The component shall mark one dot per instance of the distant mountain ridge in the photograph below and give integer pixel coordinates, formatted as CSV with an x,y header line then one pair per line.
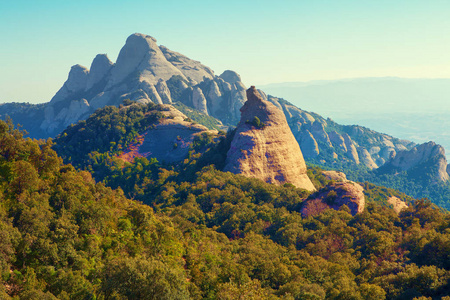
x,y
410,108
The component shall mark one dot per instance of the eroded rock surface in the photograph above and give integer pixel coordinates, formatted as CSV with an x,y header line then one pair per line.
x,y
334,196
264,146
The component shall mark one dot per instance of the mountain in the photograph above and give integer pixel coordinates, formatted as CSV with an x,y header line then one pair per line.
x,y
263,145
144,72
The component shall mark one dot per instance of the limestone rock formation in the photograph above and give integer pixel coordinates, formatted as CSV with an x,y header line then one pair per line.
x,y
264,147
140,74
334,196
169,141
352,153
397,204
163,91
424,160
309,145
99,71
335,176
75,84
348,145
199,100
338,141
318,131
142,57
190,68
365,158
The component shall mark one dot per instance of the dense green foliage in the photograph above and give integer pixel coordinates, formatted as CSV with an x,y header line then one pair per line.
x,y
108,130
437,192
204,234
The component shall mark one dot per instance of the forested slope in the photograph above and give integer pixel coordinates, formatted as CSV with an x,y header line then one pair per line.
x,y
203,234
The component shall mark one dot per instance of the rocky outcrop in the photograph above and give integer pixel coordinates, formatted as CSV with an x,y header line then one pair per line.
x,y
75,84
308,144
99,71
352,153
335,196
169,141
199,100
338,141
397,204
335,176
141,58
190,68
365,158
163,91
318,131
140,74
264,147
425,162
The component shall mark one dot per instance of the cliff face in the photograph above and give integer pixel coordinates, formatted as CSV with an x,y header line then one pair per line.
x,y
424,162
263,146
325,142
144,72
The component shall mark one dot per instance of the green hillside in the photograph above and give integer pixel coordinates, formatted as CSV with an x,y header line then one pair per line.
x,y
199,233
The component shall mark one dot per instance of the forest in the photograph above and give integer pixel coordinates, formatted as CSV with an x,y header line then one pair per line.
x,y
86,225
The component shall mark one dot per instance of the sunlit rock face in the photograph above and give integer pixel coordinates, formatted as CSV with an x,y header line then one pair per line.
x,y
264,147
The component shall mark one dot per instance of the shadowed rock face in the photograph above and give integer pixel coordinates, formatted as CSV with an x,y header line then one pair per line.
x,y
269,151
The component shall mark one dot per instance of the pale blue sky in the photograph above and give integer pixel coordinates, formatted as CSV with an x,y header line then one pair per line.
x,y
264,41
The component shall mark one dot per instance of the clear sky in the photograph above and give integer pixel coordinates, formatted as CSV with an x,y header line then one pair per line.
x,y
264,41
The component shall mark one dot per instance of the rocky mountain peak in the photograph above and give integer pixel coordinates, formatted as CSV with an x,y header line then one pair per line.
x,y
141,56
100,67
264,110
264,147
230,76
75,83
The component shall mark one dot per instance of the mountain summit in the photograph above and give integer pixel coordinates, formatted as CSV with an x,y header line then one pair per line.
x,y
264,146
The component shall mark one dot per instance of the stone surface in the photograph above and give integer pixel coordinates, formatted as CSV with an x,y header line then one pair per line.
x,y
199,100
334,196
338,141
318,132
335,175
169,141
365,158
352,153
397,204
230,76
428,156
75,83
163,91
269,153
190,68
308,145
99,71
142,59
